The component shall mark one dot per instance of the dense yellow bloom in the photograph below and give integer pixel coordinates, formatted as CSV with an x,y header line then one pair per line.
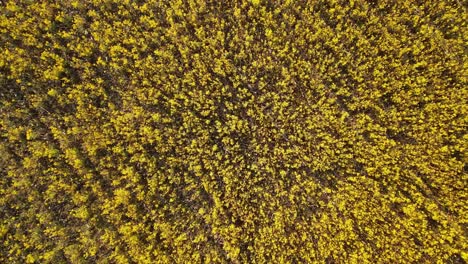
x,y
196,131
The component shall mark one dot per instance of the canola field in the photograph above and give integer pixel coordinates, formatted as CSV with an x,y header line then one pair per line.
x,y
208,131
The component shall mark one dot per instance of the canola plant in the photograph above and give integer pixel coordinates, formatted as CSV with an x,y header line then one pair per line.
x,y
206,131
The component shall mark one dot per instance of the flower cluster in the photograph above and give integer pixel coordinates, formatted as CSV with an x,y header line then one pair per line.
x,y
203,131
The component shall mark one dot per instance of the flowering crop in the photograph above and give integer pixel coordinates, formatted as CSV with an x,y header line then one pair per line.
x,y
202,131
